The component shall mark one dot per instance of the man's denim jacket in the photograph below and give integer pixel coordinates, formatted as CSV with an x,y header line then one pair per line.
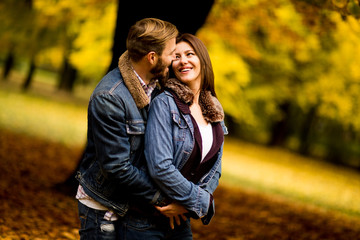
x,y
113,168
169,141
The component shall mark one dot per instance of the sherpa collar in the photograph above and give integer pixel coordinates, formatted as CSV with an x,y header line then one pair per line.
x,y
131,81
210,105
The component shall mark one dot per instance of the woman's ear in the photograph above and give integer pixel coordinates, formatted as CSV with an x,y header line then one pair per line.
x,y
152,57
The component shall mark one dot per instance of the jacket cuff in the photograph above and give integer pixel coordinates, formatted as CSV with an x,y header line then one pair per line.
x,y
211,212
160,200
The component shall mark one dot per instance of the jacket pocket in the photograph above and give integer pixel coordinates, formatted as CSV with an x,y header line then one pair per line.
x,y
180,127
135,127
135,130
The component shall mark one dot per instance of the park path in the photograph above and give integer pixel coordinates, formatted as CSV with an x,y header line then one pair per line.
x,y
31,208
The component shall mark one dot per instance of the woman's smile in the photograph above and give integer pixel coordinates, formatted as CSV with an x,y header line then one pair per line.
x,y
186,65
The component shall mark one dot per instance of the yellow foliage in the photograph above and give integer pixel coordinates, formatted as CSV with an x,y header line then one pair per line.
x,y
47,7
92,47
346,57
305,49
231,76
237,22
228,64
339,100
333,86
335,106
87,26
340,3
52,57
287,16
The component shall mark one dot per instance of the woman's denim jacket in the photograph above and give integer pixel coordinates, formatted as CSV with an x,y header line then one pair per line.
x,y
113,168
169,141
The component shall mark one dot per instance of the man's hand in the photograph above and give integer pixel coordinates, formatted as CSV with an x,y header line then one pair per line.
x,y
173,211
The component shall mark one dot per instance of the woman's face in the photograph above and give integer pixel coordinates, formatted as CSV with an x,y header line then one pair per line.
x,y
186,65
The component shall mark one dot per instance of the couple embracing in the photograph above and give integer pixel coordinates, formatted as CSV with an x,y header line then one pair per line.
x,y
155,140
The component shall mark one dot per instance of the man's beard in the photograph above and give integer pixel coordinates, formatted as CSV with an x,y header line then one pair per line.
x,y
160,72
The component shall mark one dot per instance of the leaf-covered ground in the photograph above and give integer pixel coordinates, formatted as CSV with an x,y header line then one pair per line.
x,y
32,208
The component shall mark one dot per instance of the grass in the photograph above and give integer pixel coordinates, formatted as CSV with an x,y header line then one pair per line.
x,y
44,112
286,174
55,121
62,118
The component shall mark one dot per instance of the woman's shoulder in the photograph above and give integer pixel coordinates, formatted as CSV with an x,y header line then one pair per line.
x,y
164,95
162,100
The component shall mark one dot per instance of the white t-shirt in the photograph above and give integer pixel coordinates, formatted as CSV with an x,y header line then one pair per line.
x,y
207,139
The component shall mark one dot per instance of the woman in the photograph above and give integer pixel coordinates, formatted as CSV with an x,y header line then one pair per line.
x,y
185,135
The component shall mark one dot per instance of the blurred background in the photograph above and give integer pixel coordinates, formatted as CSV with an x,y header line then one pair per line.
x,y
286,72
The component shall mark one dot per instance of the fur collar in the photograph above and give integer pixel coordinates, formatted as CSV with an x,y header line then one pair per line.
x,y
210,105
131,82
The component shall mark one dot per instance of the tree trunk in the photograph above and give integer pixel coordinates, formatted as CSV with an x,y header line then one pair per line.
x,y
9,64
305,131
67,76
280,129
337,144
28,80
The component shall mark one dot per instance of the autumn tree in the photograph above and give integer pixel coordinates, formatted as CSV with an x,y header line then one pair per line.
x,y
285,72
82,39
14,31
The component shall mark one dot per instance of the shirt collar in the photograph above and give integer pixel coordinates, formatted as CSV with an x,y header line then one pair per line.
x,y
148,88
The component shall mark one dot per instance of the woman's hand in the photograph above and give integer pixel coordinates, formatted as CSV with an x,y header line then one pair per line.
x,y
173,211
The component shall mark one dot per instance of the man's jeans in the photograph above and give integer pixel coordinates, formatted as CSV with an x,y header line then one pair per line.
x,y
94,226
129,227
135,226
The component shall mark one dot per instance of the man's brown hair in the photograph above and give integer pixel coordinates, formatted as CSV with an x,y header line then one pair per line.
x,y
149,34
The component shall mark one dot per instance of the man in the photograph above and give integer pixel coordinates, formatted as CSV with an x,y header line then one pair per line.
x,y
113,172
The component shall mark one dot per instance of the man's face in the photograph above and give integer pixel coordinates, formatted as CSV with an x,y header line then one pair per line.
x,y
161,69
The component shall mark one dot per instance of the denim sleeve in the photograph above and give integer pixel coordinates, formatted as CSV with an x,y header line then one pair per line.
x,y
107,120
210,186
159,152
211,181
